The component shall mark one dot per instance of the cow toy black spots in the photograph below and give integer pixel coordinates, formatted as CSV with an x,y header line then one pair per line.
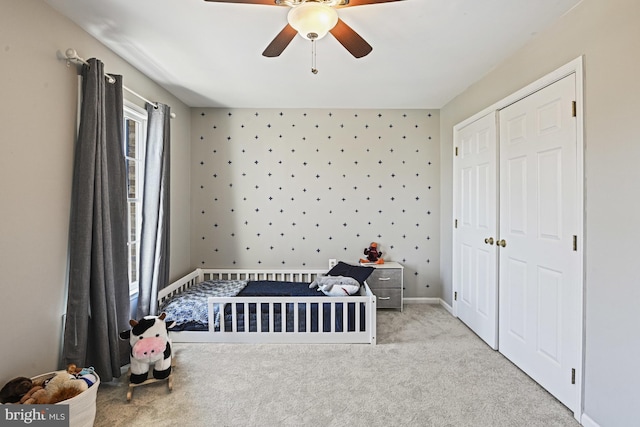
x,y
150,345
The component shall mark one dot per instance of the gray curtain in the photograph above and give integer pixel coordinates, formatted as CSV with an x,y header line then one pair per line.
x,y
154,240
98,293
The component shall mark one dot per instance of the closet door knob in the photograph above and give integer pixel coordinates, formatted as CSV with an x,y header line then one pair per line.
x,y
489,241
502,243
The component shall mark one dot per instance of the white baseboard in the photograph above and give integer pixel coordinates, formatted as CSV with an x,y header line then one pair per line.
x,y
421,300
438,301
586,421
446,306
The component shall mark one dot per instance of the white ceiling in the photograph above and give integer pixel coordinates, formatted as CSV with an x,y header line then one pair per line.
x,y
425,52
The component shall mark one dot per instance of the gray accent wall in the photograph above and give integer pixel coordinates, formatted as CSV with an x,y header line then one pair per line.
x,y
293,188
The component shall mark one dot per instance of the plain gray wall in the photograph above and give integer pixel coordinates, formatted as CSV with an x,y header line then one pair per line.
x,y
37,134
607,34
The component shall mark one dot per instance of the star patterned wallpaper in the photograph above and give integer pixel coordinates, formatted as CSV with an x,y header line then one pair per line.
x,y
293,188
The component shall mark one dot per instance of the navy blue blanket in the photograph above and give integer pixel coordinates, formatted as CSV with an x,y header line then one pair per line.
x,y
279,288
270,288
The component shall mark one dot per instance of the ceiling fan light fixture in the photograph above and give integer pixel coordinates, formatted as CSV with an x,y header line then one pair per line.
x,y
312,20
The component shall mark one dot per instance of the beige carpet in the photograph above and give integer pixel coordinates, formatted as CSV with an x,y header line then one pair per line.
x,y
428,369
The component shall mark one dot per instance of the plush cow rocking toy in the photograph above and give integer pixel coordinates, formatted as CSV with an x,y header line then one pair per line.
x,y
150,345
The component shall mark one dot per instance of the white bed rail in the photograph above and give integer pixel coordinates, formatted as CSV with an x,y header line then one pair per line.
x,y
363,324
180,285
339,327
202,274
305,276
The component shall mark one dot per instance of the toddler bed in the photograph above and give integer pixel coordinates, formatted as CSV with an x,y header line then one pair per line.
x,y
266,306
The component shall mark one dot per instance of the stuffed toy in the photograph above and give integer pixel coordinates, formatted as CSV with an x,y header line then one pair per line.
x,y
13,391
372,254
61,386
88,375
336,286
150,345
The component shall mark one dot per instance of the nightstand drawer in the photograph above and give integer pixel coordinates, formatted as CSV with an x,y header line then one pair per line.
x,y
388,298
382,278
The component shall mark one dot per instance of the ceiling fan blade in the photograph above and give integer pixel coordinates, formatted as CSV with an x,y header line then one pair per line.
x,y
280,42
364,2
351,40
267,2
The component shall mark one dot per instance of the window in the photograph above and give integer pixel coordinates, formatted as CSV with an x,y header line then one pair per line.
x,y
135,129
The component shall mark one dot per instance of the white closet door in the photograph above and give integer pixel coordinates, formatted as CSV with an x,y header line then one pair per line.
x,y
539,304
475,253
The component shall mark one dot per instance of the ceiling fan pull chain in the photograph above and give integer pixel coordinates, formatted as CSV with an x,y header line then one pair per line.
x,y
314,70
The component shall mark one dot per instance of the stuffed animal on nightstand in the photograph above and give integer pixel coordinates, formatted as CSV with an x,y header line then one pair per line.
x,y
373,256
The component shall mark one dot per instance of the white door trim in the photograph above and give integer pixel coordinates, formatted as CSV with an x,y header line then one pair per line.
x,y
575,66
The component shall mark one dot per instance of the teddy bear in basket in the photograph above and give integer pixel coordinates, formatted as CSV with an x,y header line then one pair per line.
x,y
13,391
61,386
150,345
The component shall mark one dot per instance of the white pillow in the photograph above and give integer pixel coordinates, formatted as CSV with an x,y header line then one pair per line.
x,y
336,286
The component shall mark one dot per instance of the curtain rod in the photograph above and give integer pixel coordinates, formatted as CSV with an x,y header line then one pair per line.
x,y
72,55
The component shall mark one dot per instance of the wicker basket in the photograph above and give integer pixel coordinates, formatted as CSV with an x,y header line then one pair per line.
x,y
82,408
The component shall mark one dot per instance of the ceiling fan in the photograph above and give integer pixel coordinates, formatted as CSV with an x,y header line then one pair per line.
x,y
312,19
